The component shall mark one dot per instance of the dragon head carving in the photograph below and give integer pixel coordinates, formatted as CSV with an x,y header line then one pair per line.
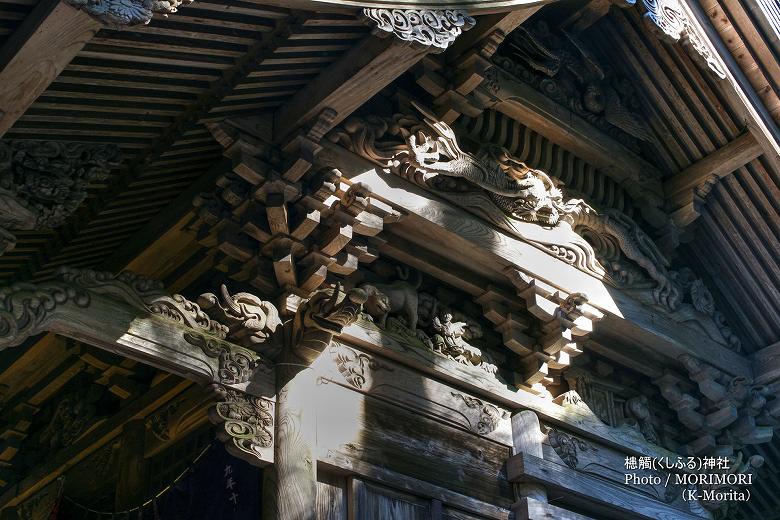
x,y
250,321
323,316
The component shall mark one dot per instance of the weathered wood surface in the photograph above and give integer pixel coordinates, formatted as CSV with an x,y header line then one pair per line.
x,y
51,35
532,509
505,22
416,392
361,427
615,500
560,125
290,485
760,122
372,501
472,6
156,341
344,463
91,441
527,436
478,246
331,496
595,459
680,187
362,72
484,385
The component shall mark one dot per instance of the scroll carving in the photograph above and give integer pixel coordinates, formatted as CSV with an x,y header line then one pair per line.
x,y
235,364
355,366
118,13
671,20
43,182
566,446
246,424
432,29
26,308
248,320
489,415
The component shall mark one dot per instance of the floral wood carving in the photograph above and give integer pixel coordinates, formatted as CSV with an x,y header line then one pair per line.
x,y
235,364
43,182
671,19
567,446
246,424
180,309
489,415
26,308
429,28
117,13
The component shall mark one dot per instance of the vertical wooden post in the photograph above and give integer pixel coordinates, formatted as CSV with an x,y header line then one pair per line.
x,y
290,485
130,486
527,438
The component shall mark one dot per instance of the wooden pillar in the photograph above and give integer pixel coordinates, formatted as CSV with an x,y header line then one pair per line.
x,y
527,438
290,485
130,486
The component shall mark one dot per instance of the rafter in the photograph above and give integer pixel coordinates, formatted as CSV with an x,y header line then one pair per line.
x,y
347,84
48,39
679,189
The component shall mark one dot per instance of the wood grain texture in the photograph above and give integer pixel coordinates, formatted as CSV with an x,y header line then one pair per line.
x,y
356,466
362,72
480,247
331,496
290,485
680,188
382,434
46,43
614,498
532,509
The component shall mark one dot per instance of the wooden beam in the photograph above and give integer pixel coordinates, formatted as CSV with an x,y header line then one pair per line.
x,y
560,125
40,476
759,120
45,43
347,84
679,189
532,509
487,25
479,247
611,497
721,162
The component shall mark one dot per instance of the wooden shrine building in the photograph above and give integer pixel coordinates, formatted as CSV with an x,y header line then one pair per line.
x,y
410,259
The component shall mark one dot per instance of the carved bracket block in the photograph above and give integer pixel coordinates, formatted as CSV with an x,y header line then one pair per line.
x,y
671,19
433,29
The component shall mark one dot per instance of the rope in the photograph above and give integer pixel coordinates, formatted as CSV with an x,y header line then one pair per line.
x,y
152,500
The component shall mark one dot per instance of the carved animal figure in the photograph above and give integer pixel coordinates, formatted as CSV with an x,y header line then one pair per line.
x,y
639,408
450,340
398,297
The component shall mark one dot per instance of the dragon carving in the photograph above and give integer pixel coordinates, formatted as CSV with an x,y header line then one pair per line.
x,y
428,153
321,318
